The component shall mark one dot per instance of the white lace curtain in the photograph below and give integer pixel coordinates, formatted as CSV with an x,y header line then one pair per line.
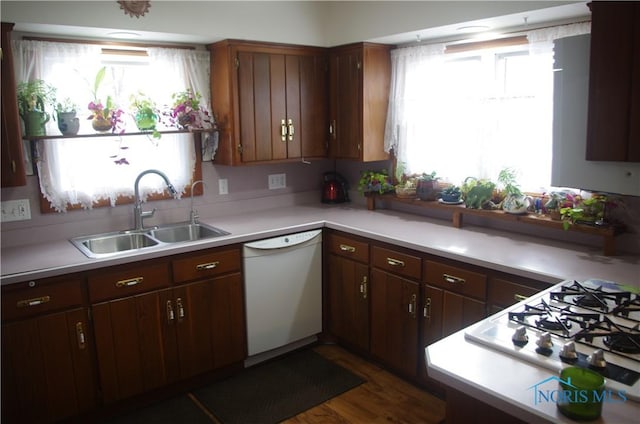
x,y
85,170
475,113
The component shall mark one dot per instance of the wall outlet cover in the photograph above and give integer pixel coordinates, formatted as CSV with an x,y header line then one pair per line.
x,y
16,210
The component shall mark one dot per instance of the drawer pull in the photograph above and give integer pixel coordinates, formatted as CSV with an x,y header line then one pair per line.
x,y
80,335
210,265
363,287
412,306
395,262
347,248
452,279
33,302
519,297
130,282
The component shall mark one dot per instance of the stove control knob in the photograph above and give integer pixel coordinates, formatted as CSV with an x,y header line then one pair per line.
x,y
520,337
569,351
596,359
544,341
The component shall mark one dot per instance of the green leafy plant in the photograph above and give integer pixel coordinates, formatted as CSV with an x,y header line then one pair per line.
x,y
66,106
586,211
478,193
510,187
146,113
374,181
35,95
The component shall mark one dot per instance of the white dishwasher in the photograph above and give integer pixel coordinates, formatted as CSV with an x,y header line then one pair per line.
x,y
283,292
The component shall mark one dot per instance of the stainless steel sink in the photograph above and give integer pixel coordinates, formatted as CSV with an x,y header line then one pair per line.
x,y
186,232
110,244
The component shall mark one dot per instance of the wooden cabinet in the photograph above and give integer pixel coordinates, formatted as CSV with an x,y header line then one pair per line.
x,y
395,296
48,368
12,157
150,333
270,100
360,76
464,294
503,292
348,290
613,131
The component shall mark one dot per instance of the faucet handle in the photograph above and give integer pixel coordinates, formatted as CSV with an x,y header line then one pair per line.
x,y
148,214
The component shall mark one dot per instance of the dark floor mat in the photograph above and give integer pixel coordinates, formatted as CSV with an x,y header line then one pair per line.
x,y
178,410
274,391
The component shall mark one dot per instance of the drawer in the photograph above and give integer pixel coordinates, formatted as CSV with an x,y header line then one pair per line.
x,y
119,282
349,248
396,262
456,279
208,264
39,297
505,293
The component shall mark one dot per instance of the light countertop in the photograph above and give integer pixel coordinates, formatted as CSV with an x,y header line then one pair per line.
x,y
522,255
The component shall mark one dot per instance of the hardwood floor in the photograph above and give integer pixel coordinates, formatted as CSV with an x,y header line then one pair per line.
x,y
383,398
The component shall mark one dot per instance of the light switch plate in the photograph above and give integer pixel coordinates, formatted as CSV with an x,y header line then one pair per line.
x,y
16,210
277,181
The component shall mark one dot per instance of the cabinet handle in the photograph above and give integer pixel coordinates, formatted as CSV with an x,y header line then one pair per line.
x,y
180,309
453,279
332,129
363,287
519,297
347,248
33,302
170,315
290,129
210,265
426,311
80,336
283,130
13,166
412,305
395,262
129,283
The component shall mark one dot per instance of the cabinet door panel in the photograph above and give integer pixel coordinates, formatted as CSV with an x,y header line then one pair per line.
x,y
294,141
394,323
459,312
313,126
135,343
275,147
247,104
433,298
349,301
47,370
229,334
349,94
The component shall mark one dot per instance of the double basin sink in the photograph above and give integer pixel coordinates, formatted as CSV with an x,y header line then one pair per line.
x,y
110,244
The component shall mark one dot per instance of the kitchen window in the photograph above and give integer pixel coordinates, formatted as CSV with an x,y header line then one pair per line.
x,y
87,172
471,111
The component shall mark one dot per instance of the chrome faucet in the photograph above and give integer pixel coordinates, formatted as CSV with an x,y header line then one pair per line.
x,y
138,214
193,214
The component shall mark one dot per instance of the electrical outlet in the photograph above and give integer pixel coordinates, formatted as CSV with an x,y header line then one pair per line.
x,y
277,181
223,186
16,210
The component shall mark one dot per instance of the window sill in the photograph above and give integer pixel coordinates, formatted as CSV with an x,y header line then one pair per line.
x,y
608,233
109,134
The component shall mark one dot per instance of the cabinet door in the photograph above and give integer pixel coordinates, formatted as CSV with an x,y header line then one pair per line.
x,y
459,312
394,322
346,104
314,106
13,169
209,321
136,344
349,301
431,330
613,132
47,368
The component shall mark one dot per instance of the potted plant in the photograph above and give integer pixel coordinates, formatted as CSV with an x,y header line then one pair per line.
x,y
478,193
146,113
187,112
514,201
589,211
407,186
451,194
33,97
374,182
104,116
66,111
427,186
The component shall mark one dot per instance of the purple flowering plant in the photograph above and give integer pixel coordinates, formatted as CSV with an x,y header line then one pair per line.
x,y
187,112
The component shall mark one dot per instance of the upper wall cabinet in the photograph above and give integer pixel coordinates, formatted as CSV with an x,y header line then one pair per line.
x,y
613,132
13,170
270,101
359,85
